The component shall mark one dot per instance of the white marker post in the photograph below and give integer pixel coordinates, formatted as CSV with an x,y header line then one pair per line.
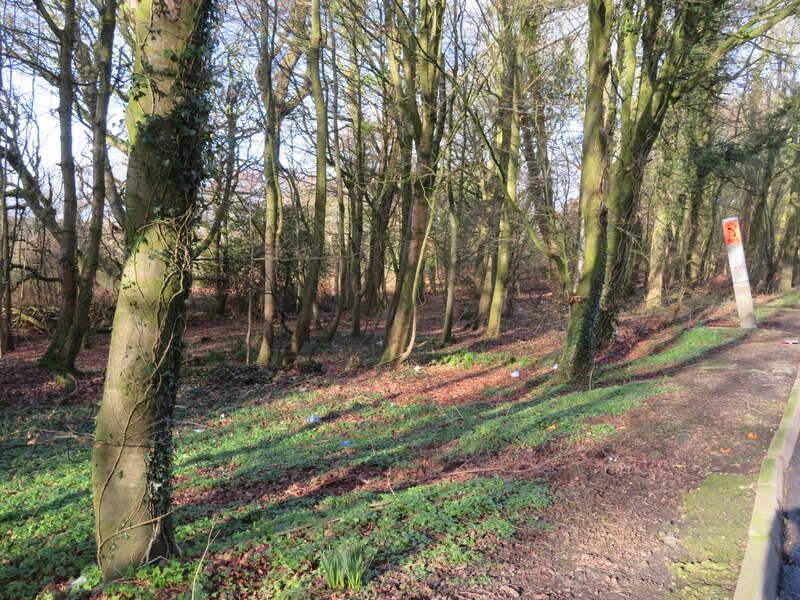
x,y
738,266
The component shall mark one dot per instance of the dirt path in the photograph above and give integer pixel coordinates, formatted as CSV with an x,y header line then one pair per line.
x,y
622,529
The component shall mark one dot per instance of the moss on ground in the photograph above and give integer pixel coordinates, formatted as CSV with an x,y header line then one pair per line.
x,y
714,535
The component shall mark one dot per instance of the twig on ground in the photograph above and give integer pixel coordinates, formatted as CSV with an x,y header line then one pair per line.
x,y
319,486
36,441
203,557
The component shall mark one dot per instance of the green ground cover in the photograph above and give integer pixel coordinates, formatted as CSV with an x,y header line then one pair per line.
x,y
685,347
237,463
714,533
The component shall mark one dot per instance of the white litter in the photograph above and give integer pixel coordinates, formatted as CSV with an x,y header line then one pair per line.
x,y
791,342
199,430
79,581
515,374
417,369
555,367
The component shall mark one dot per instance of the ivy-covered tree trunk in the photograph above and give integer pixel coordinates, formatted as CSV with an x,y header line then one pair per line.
x,y
167,111
756,234
578,358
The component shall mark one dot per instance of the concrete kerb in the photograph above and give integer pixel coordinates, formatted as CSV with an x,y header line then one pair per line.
x,y
761,567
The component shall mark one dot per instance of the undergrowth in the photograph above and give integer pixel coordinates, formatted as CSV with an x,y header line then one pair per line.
x,y
467,359
252,471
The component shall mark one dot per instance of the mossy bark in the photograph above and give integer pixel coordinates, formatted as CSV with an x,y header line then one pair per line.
x,y
314,263
6,332
56,354
131,462
509,162
790,244
277,60
578,358
416,87
101,95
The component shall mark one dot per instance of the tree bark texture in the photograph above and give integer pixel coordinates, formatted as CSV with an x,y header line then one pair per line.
x,y
167,112
578,358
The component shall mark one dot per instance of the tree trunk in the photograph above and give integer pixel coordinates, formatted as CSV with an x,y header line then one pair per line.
x,y
342,280
488,261
6,332
102,94
509,162
756,233
790,244
273,84
358,189
655,275
711,234
454,219
303,328
578,358
54,357
375,278
417,109
400,329
131,469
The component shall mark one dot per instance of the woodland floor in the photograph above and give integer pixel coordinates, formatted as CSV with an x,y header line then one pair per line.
x,y
537,491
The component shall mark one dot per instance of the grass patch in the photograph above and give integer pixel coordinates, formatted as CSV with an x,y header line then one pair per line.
x,y
467,359
687,346
540,420
785,300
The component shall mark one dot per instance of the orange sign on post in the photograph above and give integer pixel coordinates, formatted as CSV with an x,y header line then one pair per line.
x,y
732,234
738,269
